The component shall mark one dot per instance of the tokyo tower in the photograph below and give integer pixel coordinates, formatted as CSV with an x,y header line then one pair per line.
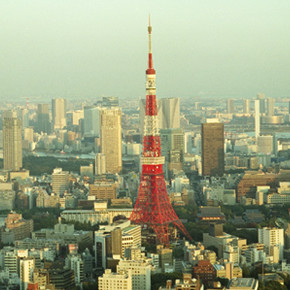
x,y
153,207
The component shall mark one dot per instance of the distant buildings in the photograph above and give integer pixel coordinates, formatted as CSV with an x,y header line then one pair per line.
x,y
212,149
12,141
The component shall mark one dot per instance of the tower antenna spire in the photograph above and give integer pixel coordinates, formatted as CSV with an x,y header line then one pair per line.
x,y
150,69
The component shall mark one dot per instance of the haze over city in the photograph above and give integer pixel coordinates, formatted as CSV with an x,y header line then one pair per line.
x,y
205,48
144,146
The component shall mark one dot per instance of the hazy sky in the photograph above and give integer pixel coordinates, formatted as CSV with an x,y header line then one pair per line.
x,y
89,48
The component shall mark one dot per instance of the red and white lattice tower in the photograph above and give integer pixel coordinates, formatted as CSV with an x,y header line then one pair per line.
x,y
153,207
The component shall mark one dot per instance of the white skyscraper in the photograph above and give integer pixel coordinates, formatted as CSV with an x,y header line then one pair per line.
x,y
100,164
257,118
59,113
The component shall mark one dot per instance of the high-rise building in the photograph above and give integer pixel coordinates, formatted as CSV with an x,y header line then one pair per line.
x,y
43,122
261,98
270,106
58,113
246,106
272,237
257,118
12,141
111,139
230,106
92,121
172,147
168,113
212,149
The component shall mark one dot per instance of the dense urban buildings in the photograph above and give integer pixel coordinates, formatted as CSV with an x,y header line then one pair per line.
x,y
106,192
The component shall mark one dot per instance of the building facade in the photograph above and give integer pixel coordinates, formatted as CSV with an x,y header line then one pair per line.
x,y
111,139
12,141
212,149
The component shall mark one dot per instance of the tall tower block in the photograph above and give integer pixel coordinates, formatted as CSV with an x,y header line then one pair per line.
x,y
153,208
12,141
257,118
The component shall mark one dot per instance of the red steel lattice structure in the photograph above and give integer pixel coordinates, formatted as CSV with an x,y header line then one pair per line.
x,y
153,207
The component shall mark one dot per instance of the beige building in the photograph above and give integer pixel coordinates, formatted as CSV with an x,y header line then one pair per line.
x,y
26,267
12,141
60,180
21,228
120,281
58,113
104,189
111,139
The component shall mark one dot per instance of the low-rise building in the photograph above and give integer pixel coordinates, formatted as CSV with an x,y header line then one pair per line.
x,y
121,281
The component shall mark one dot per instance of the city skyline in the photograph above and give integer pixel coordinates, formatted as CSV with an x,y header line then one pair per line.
x,y
216,48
